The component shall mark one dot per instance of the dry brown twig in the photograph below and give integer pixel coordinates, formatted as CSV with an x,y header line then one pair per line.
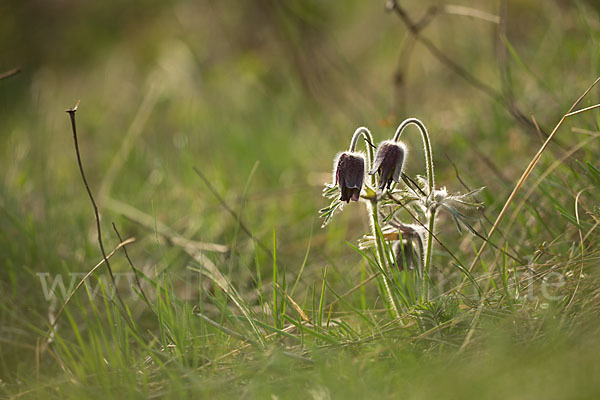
x,y
82,281
133,268
417,27
233,213
54,319
148,222
530,168
9,73
71,112
293,303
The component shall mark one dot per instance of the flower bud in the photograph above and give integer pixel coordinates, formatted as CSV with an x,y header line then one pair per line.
x,y
406,251
350,175
389,162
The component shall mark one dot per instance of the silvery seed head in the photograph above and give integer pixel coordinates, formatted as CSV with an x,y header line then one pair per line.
x,y
350,175
389,162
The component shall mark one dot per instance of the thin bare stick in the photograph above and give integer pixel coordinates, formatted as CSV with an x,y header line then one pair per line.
x,y
537,126
148,222
232,213
415,29
526,173
471,12
9,73
71,112
592,229
533,187
293,303
133,268
582,110
58,314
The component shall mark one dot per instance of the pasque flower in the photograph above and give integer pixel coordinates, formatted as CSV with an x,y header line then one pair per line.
x,y
350,175
397,245
389,162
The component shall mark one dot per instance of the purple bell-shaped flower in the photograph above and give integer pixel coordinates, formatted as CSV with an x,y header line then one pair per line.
x,y
350,175
389,161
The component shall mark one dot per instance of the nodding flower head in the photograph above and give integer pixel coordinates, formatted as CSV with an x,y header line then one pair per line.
x,y
350,175
389,162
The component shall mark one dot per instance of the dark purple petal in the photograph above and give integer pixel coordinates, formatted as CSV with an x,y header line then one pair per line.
x,y
350,175
378,160
355,194
388,162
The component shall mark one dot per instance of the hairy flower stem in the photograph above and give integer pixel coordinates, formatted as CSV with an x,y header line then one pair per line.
x,y
366,134
426,146
381,255
372,207
428,254
431,183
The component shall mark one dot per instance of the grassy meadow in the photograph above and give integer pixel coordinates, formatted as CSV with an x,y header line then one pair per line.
x,y
206,132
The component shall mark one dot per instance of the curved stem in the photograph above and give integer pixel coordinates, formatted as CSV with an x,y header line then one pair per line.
x,y
426,145
368,144
372,206
431,182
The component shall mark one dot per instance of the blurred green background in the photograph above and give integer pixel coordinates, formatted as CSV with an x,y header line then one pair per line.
x,y
259,96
